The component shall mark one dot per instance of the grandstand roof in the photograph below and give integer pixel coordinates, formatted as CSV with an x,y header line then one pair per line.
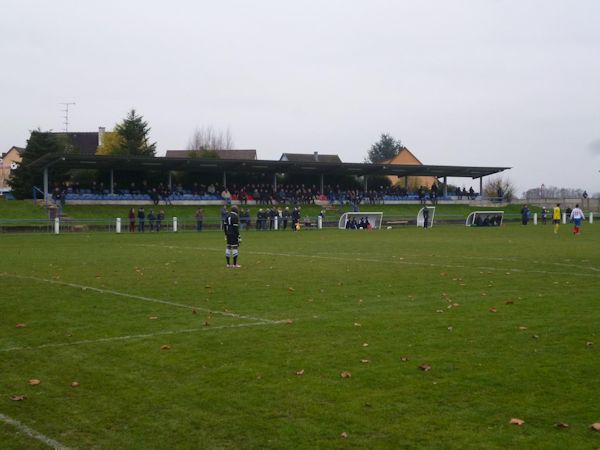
x,y
207,165
222,154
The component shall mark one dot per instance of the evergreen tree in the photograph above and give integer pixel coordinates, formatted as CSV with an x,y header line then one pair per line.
x,y
134,133
23,179
386,148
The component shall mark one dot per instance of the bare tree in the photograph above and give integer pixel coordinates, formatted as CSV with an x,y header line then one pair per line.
x,y
207,138
499,188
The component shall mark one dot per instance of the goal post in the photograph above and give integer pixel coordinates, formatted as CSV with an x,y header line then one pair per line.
x,y
485,219
360,220
430,216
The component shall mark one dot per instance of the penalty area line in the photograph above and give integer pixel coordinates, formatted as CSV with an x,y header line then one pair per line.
x,y
32,433
141,336
135,297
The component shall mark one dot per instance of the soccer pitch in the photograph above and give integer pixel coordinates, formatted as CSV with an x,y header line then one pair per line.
x,y
148,341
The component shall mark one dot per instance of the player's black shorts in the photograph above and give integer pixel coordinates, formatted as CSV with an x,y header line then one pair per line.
x,y
233,240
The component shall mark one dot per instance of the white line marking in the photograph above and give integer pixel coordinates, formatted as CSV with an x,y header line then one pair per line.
x,y
383,261
136,297
32,433
141,336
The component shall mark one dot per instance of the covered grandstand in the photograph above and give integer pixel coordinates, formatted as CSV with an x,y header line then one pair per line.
x,y
227,169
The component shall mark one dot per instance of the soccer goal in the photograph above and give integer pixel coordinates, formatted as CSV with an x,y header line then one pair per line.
x,y
485,219
360,220
430,216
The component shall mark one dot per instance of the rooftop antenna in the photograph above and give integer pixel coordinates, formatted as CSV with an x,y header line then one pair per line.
x,y
66,111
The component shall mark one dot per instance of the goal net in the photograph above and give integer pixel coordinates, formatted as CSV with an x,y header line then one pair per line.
x,y
485,219
430,213
360,220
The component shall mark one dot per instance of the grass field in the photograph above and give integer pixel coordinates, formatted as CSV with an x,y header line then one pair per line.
x,y
173,350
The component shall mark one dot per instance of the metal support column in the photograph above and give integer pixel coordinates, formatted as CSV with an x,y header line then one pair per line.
x,y
406,182
322,184
445,186
366,183
112,181
274,182
480,187
224,179
170,182
46,186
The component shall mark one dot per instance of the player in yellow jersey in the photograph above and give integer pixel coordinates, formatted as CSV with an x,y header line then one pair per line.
x,y
556,217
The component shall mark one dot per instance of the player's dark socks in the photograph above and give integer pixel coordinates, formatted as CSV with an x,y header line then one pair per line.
x,y
235,260
227,258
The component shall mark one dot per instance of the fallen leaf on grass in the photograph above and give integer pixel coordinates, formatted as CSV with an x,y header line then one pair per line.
x,y
522,328
18,398
456,305
34,382
365,345
194,311
535,336
356,324
517,422
291,289
206,323
344,435
346,374
208,286
509,302
289,321
300,372
589,343
561,425
152,318
74,384
365,361
404,358
21,325
595,426
165,347
493,310
425,367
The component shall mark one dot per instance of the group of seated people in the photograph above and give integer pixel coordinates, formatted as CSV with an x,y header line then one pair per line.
x,y
261,193
362,224
487,220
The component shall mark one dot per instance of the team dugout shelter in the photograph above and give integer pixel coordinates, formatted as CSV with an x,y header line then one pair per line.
x,y
225,168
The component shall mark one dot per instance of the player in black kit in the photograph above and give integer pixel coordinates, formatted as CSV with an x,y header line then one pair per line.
x,y
231,227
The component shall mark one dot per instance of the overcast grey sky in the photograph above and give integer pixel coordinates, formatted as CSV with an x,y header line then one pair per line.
x,y
460,82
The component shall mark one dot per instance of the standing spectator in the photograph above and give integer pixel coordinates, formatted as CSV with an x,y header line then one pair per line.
x,y
231,227
151,219
544,215
199,219
425,217
285,215
525,215
141,219
556,217
577,217
131,217
296,219
159,218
